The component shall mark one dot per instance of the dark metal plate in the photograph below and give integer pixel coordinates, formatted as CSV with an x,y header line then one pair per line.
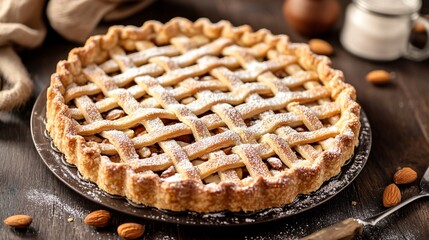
x,y
69,174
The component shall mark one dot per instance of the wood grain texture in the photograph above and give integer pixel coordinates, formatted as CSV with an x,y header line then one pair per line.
x,y
398,113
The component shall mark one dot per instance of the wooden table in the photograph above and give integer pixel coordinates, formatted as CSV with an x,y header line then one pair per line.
x,y
398,113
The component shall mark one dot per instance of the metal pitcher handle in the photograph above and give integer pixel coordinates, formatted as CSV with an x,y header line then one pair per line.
x,y
418,54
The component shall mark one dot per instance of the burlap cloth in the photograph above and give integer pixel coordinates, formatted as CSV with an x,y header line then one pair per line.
x,y
22,25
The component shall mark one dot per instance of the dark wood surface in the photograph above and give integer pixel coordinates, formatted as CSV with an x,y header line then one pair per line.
x,y
398,114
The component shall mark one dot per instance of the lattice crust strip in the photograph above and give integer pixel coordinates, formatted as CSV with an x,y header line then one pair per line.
x,y
202,116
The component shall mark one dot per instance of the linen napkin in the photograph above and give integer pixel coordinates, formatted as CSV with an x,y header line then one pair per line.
x,y
22,26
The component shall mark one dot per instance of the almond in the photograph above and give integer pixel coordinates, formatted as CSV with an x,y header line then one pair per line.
x,y
321,47
18,221
405,175
391,195
99,218
378,77
130,230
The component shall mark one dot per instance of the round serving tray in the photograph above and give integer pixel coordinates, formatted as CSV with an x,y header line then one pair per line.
x,y
69,174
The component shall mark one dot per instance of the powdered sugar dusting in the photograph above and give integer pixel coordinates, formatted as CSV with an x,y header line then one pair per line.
x,y
302,202
46,200
247,110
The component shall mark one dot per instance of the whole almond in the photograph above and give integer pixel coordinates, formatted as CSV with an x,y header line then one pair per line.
x,y
405,175
99,218
321,47
391,195
18,221
130,230
378,77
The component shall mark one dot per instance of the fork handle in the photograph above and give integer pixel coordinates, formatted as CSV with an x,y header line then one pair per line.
x,y
376,218
343,230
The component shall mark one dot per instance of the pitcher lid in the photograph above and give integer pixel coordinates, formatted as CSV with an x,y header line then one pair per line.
x,y
390,7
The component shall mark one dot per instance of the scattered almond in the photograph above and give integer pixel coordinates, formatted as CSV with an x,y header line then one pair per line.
x,y
405,175
378,77
391,195
130,230
99,218
321,47
18,221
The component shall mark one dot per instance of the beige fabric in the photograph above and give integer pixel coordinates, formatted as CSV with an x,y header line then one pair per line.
x,y
21,25
78,20
16,86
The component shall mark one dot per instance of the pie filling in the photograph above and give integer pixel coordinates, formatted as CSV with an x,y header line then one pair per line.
x,y
202,116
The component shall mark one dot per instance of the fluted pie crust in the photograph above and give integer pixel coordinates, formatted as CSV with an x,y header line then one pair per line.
x,y
202,116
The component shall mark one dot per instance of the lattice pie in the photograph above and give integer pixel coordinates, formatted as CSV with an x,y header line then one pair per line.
x,y
202,116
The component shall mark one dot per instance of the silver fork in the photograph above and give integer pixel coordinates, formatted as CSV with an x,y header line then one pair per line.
x,y
349,227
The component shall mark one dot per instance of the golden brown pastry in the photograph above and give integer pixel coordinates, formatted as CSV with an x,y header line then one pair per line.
x,y
202,116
